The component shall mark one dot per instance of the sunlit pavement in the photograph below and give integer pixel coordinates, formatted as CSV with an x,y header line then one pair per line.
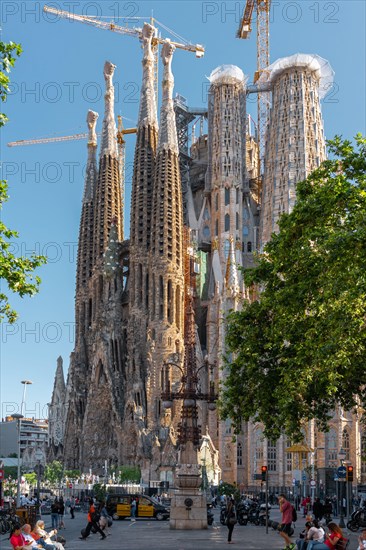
x,y
156,535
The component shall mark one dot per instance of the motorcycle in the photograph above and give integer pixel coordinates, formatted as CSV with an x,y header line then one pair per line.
x,y
358,519
223,514
242,513
210,514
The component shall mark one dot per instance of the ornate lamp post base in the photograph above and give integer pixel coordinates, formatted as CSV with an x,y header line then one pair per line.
x,y
189,506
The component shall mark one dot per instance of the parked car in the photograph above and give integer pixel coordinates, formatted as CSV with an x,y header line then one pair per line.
x,y
119,506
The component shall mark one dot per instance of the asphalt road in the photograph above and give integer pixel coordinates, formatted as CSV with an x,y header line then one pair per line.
x,y
156,535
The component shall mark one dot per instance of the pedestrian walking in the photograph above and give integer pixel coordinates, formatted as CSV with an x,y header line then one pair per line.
x,y
318,509
104,518
61,513
133,509
72,507
230,519
93,521
286,510
54,514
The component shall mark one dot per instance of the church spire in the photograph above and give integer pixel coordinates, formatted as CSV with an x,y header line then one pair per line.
x,y
168,132
109,144
231,276
107,197
143,178
147,111
84,266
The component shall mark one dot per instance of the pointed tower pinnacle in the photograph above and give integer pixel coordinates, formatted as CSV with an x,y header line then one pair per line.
x,y
168,132
107,197
84,265
109,144
59,377
143,179
231,276
147,111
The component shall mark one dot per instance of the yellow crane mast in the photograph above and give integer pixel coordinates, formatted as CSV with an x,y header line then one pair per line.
x,y
263,99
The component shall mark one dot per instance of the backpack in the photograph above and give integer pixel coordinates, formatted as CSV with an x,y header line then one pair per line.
x,y
294,514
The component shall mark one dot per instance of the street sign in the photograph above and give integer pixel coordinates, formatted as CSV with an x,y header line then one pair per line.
x,y
1,474
313,483
303,477
341,471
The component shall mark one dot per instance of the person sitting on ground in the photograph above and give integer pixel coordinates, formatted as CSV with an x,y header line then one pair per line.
x,y
40,532
17,539
332,538
31,540
362,540
300,542
315,533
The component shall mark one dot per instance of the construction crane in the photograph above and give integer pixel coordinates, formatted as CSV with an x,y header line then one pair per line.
x,y
121,132
263,99
136,32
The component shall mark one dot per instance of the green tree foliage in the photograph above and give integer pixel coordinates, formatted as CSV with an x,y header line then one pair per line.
x,y
10,472
100,492
15,271
229,490
299,350
72,474
31,478
131,474
54,472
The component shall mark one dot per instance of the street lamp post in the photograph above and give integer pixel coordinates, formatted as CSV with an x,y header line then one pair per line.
x,y
341,456
18,418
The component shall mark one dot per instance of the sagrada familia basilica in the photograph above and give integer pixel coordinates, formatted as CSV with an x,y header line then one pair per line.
x,y
198,206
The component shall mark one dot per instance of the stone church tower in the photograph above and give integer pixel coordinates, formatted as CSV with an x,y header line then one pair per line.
x,y
97,369
295,141
129,294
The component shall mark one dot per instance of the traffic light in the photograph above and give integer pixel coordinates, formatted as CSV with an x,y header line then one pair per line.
x,y
349,473
264,473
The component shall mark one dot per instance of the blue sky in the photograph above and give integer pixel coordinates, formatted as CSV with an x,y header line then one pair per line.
x,y
60,76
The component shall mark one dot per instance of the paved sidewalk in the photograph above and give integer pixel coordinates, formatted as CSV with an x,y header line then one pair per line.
x,y
156,535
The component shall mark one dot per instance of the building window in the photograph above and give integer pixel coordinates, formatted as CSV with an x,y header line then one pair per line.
x,y
227,196
249,247
217,228
345,442
332,452
363,453
227,222
288,459
217,202
239,455
272,456
258,438
237,220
